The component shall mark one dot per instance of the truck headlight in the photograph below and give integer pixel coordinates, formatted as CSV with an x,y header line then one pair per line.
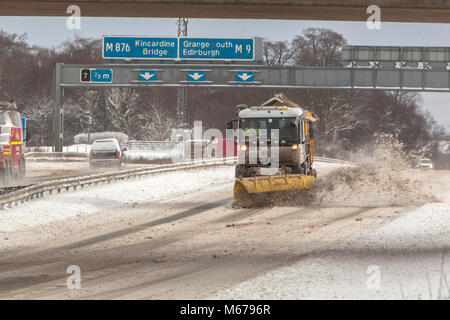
x,y
294,146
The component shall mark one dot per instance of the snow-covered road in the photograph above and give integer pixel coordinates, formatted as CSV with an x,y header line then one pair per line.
x,y
158,188
407,258
175,236
88,206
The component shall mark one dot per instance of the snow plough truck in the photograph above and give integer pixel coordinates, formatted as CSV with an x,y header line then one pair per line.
x,y
275,150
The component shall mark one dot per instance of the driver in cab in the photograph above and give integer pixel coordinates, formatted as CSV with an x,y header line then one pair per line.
x,y
252,129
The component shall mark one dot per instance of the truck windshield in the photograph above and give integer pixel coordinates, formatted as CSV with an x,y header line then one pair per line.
x,y
287,127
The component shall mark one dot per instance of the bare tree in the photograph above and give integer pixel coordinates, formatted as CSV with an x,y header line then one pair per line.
x,y
121,107
318,47
155,124
277,53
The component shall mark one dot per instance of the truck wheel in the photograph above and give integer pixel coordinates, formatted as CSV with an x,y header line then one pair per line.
x,y
298,170
295,170
237,171
305,167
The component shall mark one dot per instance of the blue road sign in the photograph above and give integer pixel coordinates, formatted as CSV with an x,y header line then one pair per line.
x,y
24,128
184,48
101,75
129,47
196,76
244,76
147,75
217,49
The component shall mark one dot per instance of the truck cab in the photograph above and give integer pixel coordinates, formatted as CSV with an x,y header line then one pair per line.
x,y
277,134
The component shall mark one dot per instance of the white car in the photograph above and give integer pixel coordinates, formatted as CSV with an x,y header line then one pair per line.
x,y
425,164
106,152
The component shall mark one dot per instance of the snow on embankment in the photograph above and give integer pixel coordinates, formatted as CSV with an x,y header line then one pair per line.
x,y
161,187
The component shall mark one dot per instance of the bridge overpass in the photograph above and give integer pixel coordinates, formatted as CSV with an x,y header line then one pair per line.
x,y
432,11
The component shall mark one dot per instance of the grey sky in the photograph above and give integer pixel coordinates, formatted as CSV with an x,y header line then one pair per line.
x,y
49,32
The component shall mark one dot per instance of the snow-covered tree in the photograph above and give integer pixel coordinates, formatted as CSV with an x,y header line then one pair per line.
x,y
156,123
121,105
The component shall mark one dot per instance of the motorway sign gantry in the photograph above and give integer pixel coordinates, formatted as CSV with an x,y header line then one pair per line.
x,y
183,48
234,75
224,75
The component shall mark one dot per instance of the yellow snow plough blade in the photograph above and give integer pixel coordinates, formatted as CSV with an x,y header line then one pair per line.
x,y
246,189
